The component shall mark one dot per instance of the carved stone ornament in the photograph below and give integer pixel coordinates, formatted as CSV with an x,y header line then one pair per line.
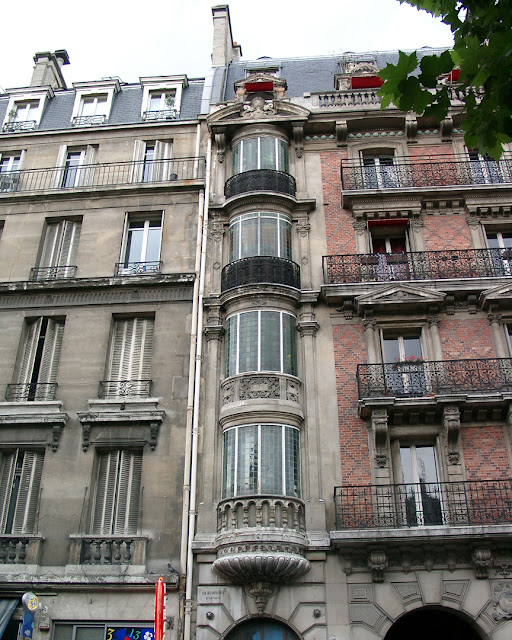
x,y
341,133
482,561
259,108
451,422
502,599
261,592
220,141
380,431
446,129
361,68
259,387
303,228
411,128
377,563
298,137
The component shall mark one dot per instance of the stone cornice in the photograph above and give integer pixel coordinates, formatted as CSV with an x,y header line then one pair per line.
x,y
96,291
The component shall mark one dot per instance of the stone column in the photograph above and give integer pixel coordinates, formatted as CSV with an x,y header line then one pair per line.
x,y
416,239
370,338
217,235
476,232
304,261
300,168
435,337
498,338
362,240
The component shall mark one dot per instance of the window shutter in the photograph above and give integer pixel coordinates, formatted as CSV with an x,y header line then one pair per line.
x,y
70,233
131,349
6,480
29,354
127,511
49,254
28,494
138,158
103,513
61,163
51,351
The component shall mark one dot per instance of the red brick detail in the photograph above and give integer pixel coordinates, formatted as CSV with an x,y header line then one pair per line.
x,y
485,453
349,351
424,152
463,338
446,232
340,234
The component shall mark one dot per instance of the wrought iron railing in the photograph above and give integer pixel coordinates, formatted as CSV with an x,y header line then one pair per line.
x,y
124,388
351,99
165,114
474,502
58,272
138,268
88,121
417,265
260,180
23,125
31,391
417,379
424,171
260,269
91,176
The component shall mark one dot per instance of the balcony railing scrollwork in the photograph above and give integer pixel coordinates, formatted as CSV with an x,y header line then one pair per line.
x,y
58,272
89,176
425,171
260,270
31,391
164,114
260,180
111,389
17,126
138,268
418,379
89,121
417,265
468,503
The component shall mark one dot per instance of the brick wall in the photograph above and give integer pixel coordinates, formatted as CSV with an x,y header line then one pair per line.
x,y
349,351
466,336
446,232
338,222
485,453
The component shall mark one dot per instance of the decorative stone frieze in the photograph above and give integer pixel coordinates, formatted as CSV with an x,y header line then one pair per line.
x,y
502,599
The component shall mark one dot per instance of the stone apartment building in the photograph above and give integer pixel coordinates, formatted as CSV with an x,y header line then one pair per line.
x,y
101,188
354,475
255,339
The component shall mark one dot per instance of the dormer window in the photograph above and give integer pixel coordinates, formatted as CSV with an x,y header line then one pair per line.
x,y
93,102
25,109
161,98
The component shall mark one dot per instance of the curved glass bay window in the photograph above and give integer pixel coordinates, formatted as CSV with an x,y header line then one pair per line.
x,y
261,459
260,153
260,233
261,341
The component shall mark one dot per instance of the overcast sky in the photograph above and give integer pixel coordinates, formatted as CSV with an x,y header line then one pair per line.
x,y
132,38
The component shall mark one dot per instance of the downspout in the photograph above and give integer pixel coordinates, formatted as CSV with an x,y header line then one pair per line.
x,y
192,427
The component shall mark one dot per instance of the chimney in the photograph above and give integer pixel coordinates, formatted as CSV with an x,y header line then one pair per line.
x,y
224,49
47,70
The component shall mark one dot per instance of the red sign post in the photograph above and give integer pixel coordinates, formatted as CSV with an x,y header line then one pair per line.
x,y
159,609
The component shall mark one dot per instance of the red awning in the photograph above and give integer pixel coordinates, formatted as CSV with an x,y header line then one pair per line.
x,y
252,87
366,82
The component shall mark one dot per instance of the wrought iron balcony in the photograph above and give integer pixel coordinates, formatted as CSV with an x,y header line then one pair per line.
x,y
138,268
425,171
417,265
31,391
405,379
16,127
110,389
469,503
93,176
165,114
260,180
89,121
60,272
260,270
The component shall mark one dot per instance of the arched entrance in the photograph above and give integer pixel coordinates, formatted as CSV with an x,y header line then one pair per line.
x,y
262,629
432,624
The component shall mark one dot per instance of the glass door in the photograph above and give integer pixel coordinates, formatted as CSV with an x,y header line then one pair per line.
x,y
421,490
404,368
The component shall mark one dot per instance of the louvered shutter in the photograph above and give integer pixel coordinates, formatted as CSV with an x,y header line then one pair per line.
x,y
103,513
6,480
28,494
29,353
131,349
137,168
50,251
127,508
68,242
51,351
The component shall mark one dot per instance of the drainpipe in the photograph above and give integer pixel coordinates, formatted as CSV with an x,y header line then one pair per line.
x,y
192,427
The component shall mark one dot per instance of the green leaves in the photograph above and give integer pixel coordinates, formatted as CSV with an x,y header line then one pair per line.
x,y
482,52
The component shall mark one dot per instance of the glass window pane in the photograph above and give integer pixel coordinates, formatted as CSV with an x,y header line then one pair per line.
x,y
427,471
236,158
291,462
155,102
406,463
134,242
248,342
231,345
234,241
391,349
228,481
289,345
249,240
270,341
247,481
283,158
90,633
271,459
412,346
153,246
250,155
269,242
268,153
286,239
251,631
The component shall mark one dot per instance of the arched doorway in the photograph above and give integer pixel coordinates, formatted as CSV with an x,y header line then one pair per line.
x,y
430,623
261,629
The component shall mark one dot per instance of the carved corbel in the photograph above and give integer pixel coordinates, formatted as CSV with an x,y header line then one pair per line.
x,y
380,431
411,128
220,142
451,423
214,332
446,129
377,563
154,428
56,431
341,133
482,561
261,592
298,137
86,435
303,227
308,328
